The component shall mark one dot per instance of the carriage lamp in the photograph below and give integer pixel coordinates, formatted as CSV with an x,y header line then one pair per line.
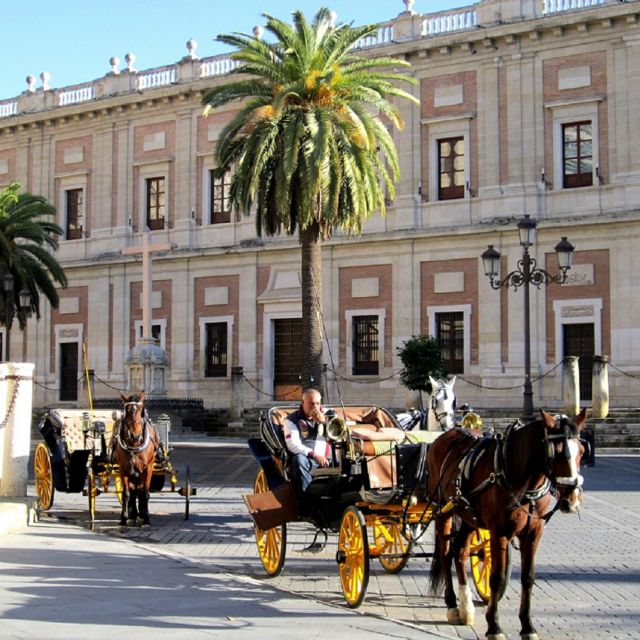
x,y
526,273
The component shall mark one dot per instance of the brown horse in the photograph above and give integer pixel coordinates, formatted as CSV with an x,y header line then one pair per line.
x,y
502,484
135,444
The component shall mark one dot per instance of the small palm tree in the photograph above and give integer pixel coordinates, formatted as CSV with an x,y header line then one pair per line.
x,y
309,146
25,236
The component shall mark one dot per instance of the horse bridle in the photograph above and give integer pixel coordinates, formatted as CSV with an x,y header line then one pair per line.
x,y
145,432
440,415
550,440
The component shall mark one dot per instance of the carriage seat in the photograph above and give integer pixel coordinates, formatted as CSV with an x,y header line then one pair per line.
x,y
70,426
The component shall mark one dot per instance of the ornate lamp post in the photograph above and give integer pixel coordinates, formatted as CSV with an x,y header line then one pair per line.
x,y
9,307
527,273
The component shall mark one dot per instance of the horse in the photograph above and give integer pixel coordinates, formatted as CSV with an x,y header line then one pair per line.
x,y
442,405
502,484
134,450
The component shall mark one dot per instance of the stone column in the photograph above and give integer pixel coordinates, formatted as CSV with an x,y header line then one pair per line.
x,y
236,408
570,386
600,388
16,400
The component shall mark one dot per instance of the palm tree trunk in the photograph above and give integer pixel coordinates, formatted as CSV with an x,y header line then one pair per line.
x,y
312,312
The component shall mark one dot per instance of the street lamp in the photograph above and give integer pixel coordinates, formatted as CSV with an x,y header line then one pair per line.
x,y
24,302
525,274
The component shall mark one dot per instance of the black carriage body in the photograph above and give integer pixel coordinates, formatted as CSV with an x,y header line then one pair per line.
x,y
333,490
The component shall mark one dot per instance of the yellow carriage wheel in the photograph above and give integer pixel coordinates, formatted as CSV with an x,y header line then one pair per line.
x,y
353,556
43,476
271,543
480,561
392,548
117,483
92,493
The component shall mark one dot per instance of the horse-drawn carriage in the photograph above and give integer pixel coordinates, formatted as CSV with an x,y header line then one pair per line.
x,y
389,484
375,498
78,455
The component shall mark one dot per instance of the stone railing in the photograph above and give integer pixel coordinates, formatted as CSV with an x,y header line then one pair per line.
x,y
448,21
158,77
8,108
559,6
77,93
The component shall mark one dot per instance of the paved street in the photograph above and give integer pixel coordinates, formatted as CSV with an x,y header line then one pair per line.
x,y
588,583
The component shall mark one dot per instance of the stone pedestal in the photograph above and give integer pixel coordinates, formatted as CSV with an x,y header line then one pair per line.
x,y
147,363
16,400
600,388
570,386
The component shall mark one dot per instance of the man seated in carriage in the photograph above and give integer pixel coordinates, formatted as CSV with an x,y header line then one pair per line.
x,y
305,439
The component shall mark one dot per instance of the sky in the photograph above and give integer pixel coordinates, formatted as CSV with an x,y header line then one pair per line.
x,y
73,40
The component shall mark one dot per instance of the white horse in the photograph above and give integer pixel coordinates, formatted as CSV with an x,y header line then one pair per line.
x,y
442,405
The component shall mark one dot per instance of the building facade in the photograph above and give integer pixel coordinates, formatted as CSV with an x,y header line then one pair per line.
x,y
525,108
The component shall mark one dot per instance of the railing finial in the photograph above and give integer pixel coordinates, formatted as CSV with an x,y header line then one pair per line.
x,y
130,58
258,31
114,61
192,45
31,83
408,5
45,76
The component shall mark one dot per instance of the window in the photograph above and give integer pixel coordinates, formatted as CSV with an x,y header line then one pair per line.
x,y
451,168
74,213
365,345
155,203
215,350
577,154
450,337
220,205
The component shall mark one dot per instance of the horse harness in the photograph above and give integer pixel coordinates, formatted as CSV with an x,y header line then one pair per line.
x,y
144,438
498,475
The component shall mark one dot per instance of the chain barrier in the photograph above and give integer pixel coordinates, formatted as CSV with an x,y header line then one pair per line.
x,y
14,397
516,386
624,373
376,381
293,392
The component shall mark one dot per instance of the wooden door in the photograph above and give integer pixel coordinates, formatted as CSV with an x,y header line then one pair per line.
x,y
579,341
287,350
68,371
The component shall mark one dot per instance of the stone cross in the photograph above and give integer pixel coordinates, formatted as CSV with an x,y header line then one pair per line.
x,y
147,283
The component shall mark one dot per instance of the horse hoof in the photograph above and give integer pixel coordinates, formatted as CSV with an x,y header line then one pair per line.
x,y
496,636
145,525
130,522
453,616
529,636
468,618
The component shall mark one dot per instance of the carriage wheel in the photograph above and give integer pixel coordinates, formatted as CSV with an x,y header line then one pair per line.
x,y
187,491
272,543
43,475
394,548
92,493
117,483
157,482
353,556
480,561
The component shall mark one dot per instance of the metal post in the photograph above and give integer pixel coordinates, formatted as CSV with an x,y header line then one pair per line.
x,y
527,409
7,326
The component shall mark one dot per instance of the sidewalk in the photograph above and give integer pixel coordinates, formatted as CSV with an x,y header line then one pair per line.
x,y
588,568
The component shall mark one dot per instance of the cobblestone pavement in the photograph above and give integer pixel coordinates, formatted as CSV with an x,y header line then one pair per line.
x,y
588,566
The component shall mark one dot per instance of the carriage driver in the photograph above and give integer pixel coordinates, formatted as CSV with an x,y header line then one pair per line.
x,y
304,436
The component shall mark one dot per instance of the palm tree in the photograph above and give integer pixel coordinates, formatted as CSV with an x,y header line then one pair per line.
x,y
308,147
25,236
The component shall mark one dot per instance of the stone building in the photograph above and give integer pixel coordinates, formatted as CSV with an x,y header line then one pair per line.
x,y
525,108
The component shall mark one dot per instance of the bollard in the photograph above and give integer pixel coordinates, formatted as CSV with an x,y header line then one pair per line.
x,y
570,386
16,392
236,408
600,388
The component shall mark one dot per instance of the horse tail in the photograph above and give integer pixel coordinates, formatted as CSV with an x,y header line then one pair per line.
x,y
436,574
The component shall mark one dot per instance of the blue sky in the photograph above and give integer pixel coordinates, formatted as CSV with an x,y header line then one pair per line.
x,y
74,39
